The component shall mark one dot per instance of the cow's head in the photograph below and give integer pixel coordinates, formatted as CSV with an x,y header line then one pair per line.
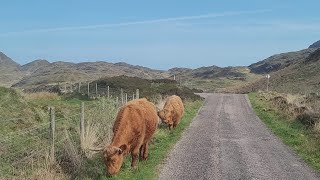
x,y
166,115
113,158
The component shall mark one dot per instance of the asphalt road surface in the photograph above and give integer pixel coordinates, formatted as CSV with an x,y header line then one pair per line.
x,y
228,141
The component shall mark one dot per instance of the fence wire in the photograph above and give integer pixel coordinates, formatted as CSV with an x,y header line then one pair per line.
x,y
28,146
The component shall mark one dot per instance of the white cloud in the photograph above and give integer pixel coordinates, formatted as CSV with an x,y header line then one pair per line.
x,y
181,18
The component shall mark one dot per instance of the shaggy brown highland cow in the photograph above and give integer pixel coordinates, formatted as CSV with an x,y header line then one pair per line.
x,y
135,124
172,111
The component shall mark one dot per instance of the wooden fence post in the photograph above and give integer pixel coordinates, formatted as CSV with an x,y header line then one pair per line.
x,y
96,89
108,92
122,99
82,124
137,94
88,89
52,133
71,87
126,100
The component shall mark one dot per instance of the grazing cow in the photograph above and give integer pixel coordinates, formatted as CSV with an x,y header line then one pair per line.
x,y
172,111
135,124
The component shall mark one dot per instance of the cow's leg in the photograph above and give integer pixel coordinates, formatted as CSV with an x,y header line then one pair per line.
x,y
134,156
141,153
174,125
145,151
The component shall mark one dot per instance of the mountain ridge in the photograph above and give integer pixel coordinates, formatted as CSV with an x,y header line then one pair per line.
x,y
207,78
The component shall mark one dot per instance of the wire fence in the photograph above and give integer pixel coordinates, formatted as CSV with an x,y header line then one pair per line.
x,y
26,148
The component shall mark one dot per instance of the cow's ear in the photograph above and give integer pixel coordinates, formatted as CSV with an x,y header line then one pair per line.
x,y
122,148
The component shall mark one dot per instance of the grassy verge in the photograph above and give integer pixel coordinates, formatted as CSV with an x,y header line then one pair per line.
x,y
304,141
159,148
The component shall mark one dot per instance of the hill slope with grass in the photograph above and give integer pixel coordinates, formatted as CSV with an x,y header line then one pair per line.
x,y
9,71
213,78
149,88
301,77
280,61
42,73
47,73
208,79
315,45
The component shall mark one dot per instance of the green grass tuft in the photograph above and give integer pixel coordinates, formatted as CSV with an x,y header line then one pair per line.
x,y
304,141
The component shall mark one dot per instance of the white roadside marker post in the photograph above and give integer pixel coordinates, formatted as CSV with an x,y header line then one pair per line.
x,y
268,77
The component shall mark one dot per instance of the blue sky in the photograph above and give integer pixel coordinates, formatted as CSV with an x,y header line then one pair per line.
x,y
157,34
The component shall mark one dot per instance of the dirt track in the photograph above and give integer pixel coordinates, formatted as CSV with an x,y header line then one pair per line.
x,y
228,141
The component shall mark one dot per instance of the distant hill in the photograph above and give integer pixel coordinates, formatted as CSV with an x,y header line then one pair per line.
x,y
34,66
301,77
42,72
208,72
9,71
208,79
213,78
280,61
149,88
315,45
7,64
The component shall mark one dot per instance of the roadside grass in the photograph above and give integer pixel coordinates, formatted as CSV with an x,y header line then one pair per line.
x,y
24,129
304,141
158,150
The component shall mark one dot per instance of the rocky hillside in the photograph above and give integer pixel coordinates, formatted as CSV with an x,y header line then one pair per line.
x,y
34,66
315,45
213,78
42,72
280,61
209,72
7,64
9,70
301,77
208,79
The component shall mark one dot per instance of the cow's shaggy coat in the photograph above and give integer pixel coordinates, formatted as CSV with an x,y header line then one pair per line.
x,y
135,124
172,111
